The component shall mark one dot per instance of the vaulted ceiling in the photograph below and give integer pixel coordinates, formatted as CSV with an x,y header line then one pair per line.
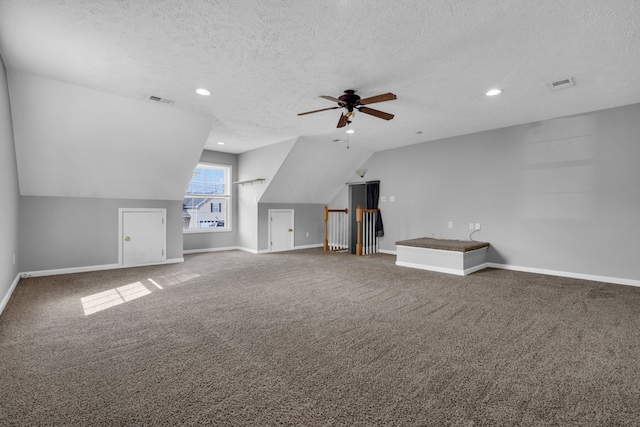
x,y
267,60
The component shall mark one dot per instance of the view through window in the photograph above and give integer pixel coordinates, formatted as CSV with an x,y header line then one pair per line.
x,y
207,200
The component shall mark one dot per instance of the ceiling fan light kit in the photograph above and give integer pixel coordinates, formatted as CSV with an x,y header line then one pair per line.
x,y
352,103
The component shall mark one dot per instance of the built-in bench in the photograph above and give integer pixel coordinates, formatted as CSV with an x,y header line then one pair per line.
x,y
446,256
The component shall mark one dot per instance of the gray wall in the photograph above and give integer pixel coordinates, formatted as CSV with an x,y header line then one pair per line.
x,y
308,217
218,239
8,192
68,232
560,195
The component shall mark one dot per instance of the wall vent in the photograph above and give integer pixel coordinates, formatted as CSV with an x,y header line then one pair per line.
x,y
562,84
162,100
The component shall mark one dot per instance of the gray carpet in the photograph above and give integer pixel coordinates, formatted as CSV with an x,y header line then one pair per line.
x,y
312,339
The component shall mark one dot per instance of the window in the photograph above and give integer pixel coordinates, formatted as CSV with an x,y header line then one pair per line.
x,y
207,201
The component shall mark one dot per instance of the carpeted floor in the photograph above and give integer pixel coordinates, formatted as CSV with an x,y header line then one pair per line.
x,y
306,338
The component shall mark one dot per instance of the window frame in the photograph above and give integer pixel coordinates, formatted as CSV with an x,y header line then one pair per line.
x,y
228,226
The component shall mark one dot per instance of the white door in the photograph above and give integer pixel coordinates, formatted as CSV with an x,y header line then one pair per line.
x,y
280,229
143,236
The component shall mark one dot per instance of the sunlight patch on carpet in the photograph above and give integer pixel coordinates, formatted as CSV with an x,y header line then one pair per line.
x,y
112,297
175,278
106,299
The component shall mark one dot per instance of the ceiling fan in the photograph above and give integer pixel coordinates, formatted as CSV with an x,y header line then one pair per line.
x,y
350,101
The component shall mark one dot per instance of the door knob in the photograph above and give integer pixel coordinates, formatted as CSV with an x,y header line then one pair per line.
x,y
127,238
290,230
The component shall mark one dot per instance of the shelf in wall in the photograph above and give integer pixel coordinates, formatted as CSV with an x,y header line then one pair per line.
x,y
250,181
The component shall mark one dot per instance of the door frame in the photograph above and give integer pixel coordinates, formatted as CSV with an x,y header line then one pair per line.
x,y
293,220
357,197
121,212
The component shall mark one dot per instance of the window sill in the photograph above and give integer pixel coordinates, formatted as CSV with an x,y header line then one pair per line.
x,y
206,230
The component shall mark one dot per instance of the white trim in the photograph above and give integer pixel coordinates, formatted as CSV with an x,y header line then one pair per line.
x,y
250,250
295,248
197,251
315,245
206,230
253,251
431,268
385,251
57,271
605,279
443,269
88,268
476,268
226,248
7,296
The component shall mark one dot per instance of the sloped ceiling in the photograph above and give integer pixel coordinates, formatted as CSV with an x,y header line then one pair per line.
x,y
77,142
267,60
314,171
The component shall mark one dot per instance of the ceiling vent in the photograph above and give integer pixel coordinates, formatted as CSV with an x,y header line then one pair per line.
x,y
162,100
562,84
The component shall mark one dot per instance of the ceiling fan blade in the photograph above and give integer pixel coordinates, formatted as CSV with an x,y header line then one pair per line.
x,y
378,98
316,111
331,98
376,113
342,122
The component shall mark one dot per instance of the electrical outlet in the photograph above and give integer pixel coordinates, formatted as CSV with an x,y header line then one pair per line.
x,y
383,198
477,226
450,224
392,198
307,235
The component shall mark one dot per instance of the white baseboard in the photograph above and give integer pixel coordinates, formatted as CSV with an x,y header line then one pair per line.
x,y
438,269
476,268
198,251
591,277
385,251
88,268
295,248
316,245
430,268
7,296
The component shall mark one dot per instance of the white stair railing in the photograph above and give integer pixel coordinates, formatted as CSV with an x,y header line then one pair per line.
x,y
336,229
367,238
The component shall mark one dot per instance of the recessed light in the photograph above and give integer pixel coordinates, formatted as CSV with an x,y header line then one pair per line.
x,y
351,131
203,92
220,143
494,92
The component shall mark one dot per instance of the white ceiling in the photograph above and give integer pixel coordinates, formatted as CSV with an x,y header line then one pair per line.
x,y
266,60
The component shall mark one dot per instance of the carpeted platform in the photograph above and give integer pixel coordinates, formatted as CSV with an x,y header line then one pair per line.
x,y
443,244
308,338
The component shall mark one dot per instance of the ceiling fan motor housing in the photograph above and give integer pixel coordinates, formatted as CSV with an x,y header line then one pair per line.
x,y
350,99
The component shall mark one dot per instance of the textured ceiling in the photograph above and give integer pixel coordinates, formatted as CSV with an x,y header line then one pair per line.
x,y
266,60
